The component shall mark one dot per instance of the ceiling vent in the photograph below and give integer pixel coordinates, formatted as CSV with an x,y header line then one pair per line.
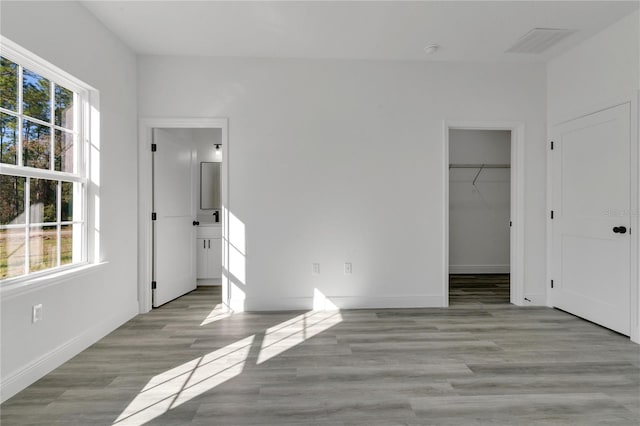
x,y
538,40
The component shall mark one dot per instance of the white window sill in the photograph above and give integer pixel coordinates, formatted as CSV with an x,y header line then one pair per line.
x,y
23,285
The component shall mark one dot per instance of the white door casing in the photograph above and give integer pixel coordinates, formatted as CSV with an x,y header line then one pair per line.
x,y
174,205
590,196
517,257
145,251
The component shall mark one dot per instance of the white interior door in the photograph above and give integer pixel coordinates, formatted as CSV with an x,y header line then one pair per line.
x,y
591,226
174,204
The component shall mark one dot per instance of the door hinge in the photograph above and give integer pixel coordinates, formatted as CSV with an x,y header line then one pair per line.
x,y
551,214
551,145
510,224
153,285
154,216
154,147
551,283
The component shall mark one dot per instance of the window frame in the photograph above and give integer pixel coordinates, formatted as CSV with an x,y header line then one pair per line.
x,y
85,126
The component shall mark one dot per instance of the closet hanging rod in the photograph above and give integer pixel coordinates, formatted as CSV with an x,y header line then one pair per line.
x,y
479,166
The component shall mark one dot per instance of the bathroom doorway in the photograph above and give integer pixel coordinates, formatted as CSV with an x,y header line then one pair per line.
x,y
198,141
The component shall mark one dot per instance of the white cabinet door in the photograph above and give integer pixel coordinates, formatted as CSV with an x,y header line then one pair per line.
x,y
590,226
203,258
209,264
215,258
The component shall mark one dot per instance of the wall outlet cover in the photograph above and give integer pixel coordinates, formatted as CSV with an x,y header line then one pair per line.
x,y
37,313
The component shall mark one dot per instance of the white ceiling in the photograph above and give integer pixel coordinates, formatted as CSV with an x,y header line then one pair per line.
x,y
391,30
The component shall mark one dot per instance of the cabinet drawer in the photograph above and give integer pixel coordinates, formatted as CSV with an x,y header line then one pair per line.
x,y
209,232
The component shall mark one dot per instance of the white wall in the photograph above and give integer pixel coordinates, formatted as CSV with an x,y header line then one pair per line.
x,y
342,161
78,311
599,73
479,215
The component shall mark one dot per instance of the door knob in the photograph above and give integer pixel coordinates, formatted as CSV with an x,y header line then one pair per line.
x,y
620,229
196,223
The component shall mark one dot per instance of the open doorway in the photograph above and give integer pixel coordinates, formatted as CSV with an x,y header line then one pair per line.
x,y
186,205
483,214
182,221
479,216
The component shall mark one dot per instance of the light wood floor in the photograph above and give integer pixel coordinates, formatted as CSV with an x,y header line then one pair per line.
x,y
473,363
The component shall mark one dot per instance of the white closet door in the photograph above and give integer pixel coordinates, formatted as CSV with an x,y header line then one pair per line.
x,y
590,228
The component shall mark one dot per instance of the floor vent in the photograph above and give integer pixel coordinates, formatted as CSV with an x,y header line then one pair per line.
x,y
538,40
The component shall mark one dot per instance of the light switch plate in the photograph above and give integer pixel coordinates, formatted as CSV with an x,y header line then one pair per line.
x,y
37,313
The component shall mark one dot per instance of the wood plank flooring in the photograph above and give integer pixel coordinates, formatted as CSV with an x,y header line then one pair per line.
x,y
471,364
481,288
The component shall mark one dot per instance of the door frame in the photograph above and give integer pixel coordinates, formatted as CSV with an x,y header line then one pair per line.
x,y
516,249
634,202
145,126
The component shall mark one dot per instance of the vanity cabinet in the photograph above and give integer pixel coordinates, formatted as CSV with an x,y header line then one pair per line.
x,y
209,252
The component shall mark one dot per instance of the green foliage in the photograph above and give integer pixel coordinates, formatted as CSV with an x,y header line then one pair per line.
x,y
37,144
11,199
43,199
63,107
8,84
8,139
36,96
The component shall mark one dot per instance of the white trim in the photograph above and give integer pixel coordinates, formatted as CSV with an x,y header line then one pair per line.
x,y
32,172
145,125
15,287
18,380
548,222
635,219
517,203
263,304
479,269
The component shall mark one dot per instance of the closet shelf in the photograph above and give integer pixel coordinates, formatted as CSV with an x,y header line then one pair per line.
x,y
479,166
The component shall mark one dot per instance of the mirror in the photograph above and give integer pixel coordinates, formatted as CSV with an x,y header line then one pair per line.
x,y
209,186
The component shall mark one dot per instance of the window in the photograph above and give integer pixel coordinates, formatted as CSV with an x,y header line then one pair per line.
x,y
43,167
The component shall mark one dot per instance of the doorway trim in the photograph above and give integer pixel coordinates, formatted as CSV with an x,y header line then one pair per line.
x,y
517,296
145,126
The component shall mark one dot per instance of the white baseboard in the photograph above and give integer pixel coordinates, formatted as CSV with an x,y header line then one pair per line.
x,y
38,368
208,282
343,302
479,269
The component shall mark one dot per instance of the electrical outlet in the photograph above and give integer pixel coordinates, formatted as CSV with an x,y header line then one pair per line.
x,y
348,268
316,269
36,313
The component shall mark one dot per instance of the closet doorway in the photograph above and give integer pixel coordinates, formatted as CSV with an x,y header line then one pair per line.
x,y
481,208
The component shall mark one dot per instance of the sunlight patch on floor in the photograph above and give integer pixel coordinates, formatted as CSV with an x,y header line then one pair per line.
x,y
286,335
178,385
216,314
174,387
